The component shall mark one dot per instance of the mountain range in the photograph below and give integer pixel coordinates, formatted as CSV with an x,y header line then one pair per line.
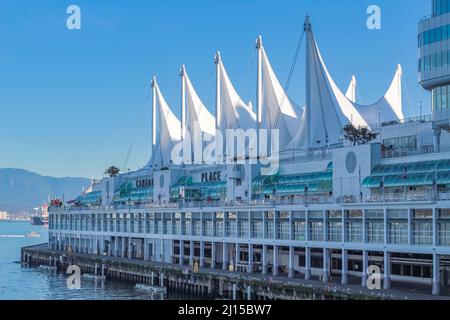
x,y
22,190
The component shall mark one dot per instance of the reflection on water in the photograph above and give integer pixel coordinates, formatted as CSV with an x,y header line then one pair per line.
x,y
17,282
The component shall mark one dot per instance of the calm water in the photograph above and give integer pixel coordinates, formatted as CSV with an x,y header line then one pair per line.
x,y
17,282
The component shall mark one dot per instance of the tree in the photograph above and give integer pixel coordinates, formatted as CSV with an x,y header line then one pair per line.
x,y
358,135
112,171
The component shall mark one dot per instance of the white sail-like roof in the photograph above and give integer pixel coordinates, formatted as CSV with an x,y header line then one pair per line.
x,y
231,111
169,131
278,110
389,108
351,91
327,109
235,113
198,116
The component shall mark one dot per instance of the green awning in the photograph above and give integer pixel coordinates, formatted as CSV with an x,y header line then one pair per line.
x,y
372,182
418,179
412,168
443,177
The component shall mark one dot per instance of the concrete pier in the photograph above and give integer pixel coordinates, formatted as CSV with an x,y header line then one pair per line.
x,y
207,283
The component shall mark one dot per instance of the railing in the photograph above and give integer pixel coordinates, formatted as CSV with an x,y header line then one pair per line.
x,y
313,199
402,197
427,17
296,156
305,201
389,154
423,118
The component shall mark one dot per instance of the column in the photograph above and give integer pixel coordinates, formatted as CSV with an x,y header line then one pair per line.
x,y
435,227
326,265
436,274
291,262
387,270
191,253
250,258
437,140
202,254
145,249
213,255
275,261
123,247
162,250
224,256
153,249
410,237
238,254
181,253
344,277
130,248
116,247
264,260
307,263
365,265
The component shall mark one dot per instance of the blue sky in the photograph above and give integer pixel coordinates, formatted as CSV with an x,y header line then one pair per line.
x,y
73,102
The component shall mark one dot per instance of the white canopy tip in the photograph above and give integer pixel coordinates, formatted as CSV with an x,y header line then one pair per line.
x,y
259,42
217,57
400,69
307,24
182,70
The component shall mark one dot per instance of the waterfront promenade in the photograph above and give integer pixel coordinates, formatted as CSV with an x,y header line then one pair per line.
x,y
216,283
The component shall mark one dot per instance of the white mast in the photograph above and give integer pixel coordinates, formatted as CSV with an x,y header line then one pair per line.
x,y
259,84
307,30
183,102
217,60
153,85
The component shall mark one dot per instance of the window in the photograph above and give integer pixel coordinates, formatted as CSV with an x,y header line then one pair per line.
x,y
440,7
257,229
316,231
375,232
439,60
398,232
354,231
423,233
335,231
231,228
243,229
218,228
269,229
444,233
283,230
440,97
299,230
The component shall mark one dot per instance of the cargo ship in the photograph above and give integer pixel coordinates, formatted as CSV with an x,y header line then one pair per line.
x,y
40,218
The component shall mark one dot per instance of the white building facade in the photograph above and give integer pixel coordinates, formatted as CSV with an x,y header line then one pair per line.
x,y
332,209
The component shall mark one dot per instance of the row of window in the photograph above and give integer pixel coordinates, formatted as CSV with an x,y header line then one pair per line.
x,y
434,35
440,7
422,231
97,219
441,98
434,61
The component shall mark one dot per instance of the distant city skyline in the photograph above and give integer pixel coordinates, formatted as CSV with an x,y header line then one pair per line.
x,y
73,101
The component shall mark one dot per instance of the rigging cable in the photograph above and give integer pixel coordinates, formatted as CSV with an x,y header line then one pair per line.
x,y
127,158
291,73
